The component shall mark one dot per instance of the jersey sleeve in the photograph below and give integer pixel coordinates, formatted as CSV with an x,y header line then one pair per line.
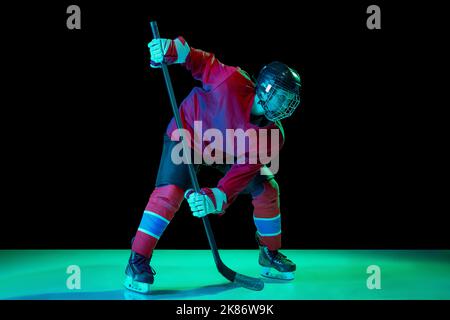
x,y
205,67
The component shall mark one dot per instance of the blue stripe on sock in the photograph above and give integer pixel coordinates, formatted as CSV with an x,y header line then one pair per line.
x,y
153,224
268,226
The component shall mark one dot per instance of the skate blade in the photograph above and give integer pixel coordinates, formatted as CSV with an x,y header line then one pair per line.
x,y
272,273
136,286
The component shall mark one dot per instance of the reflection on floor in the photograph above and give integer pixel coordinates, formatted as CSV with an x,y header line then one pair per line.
x,y
191,275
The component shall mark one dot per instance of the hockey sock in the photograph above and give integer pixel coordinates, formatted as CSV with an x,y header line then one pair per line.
x,y
162,205
266,215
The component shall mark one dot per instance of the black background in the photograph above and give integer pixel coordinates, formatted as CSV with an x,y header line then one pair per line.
x,y
83,116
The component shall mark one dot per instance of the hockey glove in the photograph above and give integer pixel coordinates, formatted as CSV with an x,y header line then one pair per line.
x,y
207,201
168,51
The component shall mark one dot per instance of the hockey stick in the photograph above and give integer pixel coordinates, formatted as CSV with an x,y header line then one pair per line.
x,y
240,279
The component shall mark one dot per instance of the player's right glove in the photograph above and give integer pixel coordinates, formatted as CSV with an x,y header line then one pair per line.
x,y
208,200
168,51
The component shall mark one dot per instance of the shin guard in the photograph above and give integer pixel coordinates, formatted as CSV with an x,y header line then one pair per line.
x,y
267,216
162,205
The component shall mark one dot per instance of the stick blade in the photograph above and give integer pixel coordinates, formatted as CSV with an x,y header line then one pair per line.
x,y
249,282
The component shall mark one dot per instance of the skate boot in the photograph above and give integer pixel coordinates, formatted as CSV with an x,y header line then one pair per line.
x,y
274,264
139,273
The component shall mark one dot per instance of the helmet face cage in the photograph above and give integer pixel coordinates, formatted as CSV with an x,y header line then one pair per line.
x,y
289,102
278,88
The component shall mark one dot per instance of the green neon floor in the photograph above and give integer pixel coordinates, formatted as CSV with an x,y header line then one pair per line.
x,y
191,274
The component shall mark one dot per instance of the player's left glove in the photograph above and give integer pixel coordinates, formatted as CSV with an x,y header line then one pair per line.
x,y
207,201
168,51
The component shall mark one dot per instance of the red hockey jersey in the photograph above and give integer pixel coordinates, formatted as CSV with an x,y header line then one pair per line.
x,y
223,102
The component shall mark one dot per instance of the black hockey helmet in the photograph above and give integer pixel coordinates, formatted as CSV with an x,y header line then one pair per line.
x,y
279,84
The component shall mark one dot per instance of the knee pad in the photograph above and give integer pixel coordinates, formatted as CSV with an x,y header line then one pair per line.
x,y
165,201
266,203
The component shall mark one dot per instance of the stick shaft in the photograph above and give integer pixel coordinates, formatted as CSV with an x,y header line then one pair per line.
x,y
192,173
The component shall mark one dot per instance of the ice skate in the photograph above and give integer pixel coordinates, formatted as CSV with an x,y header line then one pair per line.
x,y
274,264
139,273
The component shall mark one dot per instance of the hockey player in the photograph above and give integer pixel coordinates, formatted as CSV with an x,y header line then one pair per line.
x,y
228,99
